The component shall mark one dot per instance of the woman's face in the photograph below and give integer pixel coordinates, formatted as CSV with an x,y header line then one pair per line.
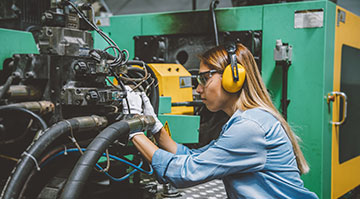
x,y
212,94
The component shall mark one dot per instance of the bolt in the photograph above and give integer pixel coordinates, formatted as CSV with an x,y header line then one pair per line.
x,y
29,74
49,32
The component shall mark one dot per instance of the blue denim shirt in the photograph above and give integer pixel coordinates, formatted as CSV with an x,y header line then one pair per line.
x,y
253,156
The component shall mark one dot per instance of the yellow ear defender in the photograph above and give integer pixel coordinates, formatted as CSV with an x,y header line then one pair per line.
x,y
233,76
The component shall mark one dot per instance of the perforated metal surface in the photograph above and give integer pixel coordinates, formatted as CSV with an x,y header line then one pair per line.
x,y
211,190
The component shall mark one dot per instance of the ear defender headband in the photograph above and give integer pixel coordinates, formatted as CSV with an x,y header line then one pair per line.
x,y
234,74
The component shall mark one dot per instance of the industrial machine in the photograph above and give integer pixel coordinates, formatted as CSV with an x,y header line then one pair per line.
x,y
65,80
307,52
62,106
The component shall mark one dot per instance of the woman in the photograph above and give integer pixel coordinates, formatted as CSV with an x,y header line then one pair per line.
x,y
256,154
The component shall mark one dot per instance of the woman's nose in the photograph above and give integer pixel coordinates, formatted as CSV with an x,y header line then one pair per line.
x,y
199,88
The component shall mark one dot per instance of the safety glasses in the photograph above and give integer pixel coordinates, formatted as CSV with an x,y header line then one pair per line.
x,y
203,77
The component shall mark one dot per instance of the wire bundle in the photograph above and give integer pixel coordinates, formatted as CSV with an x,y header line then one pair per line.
x,y
136,167
122,56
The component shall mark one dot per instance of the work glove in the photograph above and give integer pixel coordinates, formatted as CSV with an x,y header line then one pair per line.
x,y
140,104
135,104
149,110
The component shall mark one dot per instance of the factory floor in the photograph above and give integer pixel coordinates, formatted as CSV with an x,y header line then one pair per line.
x,y
211,190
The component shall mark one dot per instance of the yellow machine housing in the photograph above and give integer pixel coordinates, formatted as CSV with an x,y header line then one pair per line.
x,y
175,82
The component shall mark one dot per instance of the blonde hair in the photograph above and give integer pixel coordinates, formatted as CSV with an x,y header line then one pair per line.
x,y
253,93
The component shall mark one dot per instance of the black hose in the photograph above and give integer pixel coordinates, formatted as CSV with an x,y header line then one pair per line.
x,y
121,84
6,86
213,5
82,170
85,164
29,113
29,159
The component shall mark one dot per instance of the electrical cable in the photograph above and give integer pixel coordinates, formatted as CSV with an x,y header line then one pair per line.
x,y
103,35
107,162
149,85
117,179
117,59
137,167
34,116
122,85
139,73
139,63
9,158
112,84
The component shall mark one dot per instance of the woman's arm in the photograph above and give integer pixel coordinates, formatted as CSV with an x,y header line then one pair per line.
x,y
147,148
165,141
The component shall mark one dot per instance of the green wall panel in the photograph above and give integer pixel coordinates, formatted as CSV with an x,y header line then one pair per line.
x,y
15,42
122,29
230,19
240,18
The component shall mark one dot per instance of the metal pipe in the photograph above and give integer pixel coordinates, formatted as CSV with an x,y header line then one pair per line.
x,y
22,92
39,107
213,5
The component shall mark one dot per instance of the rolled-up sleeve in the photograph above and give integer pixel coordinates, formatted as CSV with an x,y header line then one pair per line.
x,y
240,148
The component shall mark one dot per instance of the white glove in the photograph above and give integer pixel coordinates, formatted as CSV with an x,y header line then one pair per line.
x,y
149,110
135,102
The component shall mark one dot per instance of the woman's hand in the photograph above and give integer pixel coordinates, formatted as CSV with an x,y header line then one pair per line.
x,y
140,104
149,110
135,105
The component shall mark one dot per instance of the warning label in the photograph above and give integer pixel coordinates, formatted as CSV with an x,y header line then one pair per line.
x,y
185,82
167,128
102,21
